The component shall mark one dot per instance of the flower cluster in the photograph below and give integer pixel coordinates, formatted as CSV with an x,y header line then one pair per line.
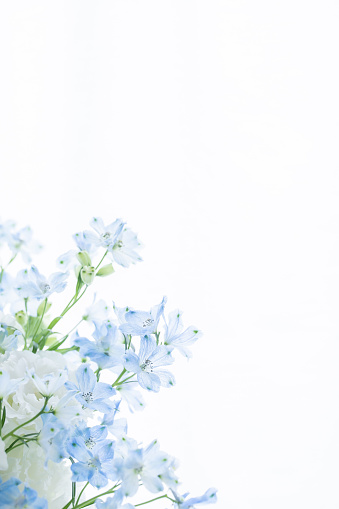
x,y
63,437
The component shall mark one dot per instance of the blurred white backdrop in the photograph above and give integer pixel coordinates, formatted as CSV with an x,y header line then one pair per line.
x,y
211,128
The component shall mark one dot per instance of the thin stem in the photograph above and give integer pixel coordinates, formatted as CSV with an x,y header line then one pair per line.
x,y
123,381
121,374
74,492
75,326
39,323
81,492
102,259
23,442
154,499
92,500
73,300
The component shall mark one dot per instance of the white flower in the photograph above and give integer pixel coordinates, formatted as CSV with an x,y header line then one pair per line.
x,y
53,483
27,400
3,456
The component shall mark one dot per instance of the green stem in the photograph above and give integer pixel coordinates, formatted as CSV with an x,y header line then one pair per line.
x,y
121,374
39,323
102,259
81,492
74,492
123,381
23,442
73,300
91,501
11,433
154,499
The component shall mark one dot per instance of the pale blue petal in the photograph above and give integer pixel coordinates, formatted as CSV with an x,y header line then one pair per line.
x,y
166,378
131,362
149,381
161,356
147,346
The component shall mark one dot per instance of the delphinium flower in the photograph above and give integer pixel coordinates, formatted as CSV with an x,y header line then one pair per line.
x,y
148,364
90,393
117,427
53,437
8,338
94,464
140,323
19,241
145,465
121,242
107,349
182,502
177,337
131,395
12,497
32,284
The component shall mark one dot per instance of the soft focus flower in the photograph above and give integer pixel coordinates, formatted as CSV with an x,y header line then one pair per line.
x,y
36,286
176,336
12,497
209,497
107,350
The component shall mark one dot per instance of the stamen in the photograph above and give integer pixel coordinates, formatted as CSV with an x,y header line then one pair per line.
x,y
148,322
147,366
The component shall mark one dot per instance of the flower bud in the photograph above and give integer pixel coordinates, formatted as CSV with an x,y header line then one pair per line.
x,y
84,258
106,270
21,318
87,274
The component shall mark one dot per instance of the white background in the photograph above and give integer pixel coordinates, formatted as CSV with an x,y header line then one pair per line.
x,y
211,128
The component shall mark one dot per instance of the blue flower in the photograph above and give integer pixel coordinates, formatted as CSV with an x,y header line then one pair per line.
x,y
176,336
107,235
124,251
86,241
88,437
146,465
209,497
52,438
118,427
107,350
147,365
131,395
11,496
94,465
33,285
8,338
142,323
23,243
89,392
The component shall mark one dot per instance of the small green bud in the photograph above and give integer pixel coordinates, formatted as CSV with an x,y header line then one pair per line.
x,y
106,270
84,258
87,275
21,317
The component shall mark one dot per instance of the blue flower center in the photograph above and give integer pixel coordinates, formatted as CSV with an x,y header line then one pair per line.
x,y
89,443
147,322
147,366
88,396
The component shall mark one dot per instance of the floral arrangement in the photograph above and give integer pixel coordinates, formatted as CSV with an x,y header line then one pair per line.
x,y
63,436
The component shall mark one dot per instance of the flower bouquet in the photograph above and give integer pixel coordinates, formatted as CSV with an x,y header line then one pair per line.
x,y
63,394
